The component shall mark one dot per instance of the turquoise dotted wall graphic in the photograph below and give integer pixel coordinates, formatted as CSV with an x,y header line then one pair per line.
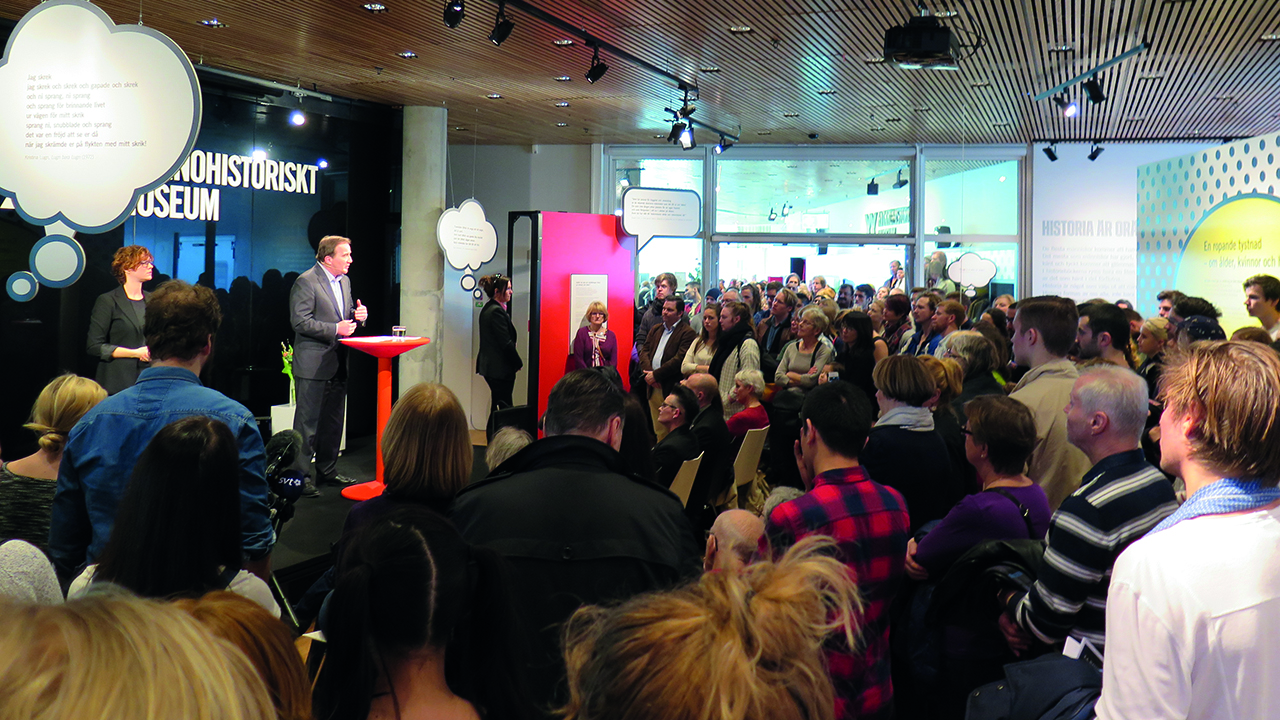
x,y
1175,196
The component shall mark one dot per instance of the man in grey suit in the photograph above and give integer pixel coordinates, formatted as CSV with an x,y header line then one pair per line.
x,y
321,311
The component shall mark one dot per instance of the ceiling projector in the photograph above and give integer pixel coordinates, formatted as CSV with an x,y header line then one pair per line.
x,y
922,43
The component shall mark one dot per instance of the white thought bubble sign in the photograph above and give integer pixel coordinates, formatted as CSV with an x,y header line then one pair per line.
x,y
467,239
652,212
971,270
92,115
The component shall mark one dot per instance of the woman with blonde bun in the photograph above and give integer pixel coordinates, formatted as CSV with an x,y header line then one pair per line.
x,y
733,646
27,484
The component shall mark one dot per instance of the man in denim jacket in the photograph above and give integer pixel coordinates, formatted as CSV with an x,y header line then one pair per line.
x,y
102,448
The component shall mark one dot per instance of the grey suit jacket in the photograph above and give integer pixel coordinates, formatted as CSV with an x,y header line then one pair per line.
x,y
314,315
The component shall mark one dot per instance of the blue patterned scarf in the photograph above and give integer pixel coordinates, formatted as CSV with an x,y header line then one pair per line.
x,y
1221,497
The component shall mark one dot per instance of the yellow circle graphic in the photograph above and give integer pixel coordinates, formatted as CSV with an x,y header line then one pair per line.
x,y
1237,239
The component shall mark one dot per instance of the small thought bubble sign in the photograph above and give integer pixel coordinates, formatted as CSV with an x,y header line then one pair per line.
x,y
970,270
652,212
468,240
92,115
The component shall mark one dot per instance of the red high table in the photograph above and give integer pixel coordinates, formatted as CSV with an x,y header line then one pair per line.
x,y
383,347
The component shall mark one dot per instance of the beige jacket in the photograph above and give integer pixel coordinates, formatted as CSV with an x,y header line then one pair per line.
x,y
1056,464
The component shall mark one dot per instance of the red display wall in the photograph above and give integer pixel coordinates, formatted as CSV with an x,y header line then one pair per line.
x,y
574,244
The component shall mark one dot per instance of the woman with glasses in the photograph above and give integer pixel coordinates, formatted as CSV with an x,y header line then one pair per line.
x,y
999,437
115,325
595,345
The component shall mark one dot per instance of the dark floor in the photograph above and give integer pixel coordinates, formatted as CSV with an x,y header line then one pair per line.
x,y
302,550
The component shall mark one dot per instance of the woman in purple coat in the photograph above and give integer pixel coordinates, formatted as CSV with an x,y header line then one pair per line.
x,y
595,345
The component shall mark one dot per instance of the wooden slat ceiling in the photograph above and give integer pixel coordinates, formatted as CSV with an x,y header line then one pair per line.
x,y
1208,74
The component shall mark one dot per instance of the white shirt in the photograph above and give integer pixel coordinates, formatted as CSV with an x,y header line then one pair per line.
x,y
335,286
662,344
244,584
1193,622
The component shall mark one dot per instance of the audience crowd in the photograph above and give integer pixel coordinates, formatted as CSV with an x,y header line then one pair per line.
x,y
907,502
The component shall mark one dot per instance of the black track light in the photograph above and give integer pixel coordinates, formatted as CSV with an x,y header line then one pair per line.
x,y
687,140
1069,108
873,188
772,215
900,183
1093,89
723,145
676,128
786,210
1051,152
502,27
598,68
1094,151
454,10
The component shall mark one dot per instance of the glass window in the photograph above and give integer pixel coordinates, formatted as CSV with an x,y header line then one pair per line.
x,y
971,197
813,197
681,256
1003,255
670,174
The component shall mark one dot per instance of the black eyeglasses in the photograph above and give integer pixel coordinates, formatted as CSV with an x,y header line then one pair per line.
x,y
966,431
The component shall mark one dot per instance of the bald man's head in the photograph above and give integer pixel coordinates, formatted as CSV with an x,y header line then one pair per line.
x,y
733,540
704,386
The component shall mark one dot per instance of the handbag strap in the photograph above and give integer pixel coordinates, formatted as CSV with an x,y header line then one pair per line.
x,y
1022,509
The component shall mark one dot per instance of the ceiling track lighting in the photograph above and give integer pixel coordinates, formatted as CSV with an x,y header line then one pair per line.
x,y
685,137
1051,152
772,215
454,11
682,126
873,188
1094,151
900,183
1092,74
1093,89
598,68
1069,108
502,26
786,210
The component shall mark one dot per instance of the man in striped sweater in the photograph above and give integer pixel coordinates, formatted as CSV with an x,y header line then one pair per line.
x,y
1119,500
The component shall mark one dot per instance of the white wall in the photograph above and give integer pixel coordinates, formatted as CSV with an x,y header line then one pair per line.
x,y
1084,218
503,179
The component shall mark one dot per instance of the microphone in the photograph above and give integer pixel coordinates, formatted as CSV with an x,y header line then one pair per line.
x,y
282,478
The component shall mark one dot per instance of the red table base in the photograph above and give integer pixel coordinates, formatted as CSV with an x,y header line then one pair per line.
x,y
384,348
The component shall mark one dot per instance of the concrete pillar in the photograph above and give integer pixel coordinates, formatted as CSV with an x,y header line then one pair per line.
x,y
422,263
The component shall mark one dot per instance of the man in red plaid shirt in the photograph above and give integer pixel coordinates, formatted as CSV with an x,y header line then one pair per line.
x,y
870,525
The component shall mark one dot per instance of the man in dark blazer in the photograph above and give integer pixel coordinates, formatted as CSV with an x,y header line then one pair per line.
x,y
775,332
715,472
322,311
675,413
660,357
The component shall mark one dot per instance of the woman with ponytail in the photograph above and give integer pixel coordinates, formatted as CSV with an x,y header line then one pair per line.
x,y
419,624
27,485
733,646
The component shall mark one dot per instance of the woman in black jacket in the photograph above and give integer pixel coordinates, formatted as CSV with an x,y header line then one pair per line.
x,y
116,323
498,360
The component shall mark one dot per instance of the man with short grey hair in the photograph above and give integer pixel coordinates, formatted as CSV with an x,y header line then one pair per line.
x,y
1119,500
